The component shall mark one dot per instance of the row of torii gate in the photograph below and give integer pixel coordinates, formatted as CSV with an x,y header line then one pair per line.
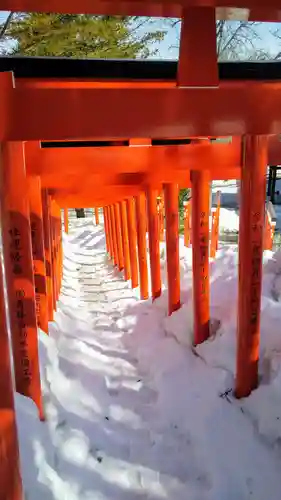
x,y
112,135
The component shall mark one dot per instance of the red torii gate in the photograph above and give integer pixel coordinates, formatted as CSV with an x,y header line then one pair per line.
x,y
252,10
15,206
196,104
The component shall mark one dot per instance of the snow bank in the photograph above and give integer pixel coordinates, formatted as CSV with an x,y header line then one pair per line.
x,y
264,405
194,385
229,221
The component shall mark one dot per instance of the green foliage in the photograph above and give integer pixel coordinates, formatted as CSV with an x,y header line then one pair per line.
x,y
184,194
81,36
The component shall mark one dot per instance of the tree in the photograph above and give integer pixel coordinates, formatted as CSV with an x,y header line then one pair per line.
x,y
86,36
3,28
184,195
237,41
80,213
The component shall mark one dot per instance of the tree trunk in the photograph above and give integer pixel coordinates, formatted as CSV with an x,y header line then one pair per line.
x,y
80,213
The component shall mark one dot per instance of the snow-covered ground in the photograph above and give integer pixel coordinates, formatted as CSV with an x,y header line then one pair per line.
x,y
134,412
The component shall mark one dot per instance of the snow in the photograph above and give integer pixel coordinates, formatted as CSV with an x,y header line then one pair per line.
x,y
134,411
229,220
225,187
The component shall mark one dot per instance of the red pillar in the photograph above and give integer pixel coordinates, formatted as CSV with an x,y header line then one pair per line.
x,y
200,254
218,199
53,252
19,272
187,228
65,214
119,237
97,216
197,65
141,239
214,233
160,210
215,226
109,231
10,478
171,195
59,245
114,236
154,247
38,253
132,235
106,232
47,249
125,240
252,207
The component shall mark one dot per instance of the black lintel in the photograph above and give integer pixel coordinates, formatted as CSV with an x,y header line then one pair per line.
x,y
82,144
170,142
56,67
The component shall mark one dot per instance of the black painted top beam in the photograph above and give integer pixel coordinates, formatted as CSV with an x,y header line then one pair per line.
x,y
55,67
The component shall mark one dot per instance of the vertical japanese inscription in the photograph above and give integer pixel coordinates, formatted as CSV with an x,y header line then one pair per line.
x,y
203,251
16,256
36,271
256,258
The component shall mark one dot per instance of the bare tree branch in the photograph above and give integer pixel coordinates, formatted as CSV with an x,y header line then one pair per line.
x,y
6,24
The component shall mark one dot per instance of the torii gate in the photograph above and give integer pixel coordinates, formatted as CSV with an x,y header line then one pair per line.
x,y
196,99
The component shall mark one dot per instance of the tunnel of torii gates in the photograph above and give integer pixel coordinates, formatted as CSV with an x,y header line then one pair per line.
x,y
112,134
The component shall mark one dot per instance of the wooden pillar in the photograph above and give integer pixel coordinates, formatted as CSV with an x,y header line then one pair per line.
x,y
38,253
132,236
59,233
141,239
272,231
251,224
106,232
56,231
53,256
109,232
214,233
218,199
154,246
200,254
171,195
19,272
125,240
47,248
195,48
114,237
141,244
160,210
187,225
97,216
10,478
65,214
269,229
119,237
215,226
59,246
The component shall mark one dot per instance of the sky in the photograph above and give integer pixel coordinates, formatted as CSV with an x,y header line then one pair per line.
x,y
168,47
